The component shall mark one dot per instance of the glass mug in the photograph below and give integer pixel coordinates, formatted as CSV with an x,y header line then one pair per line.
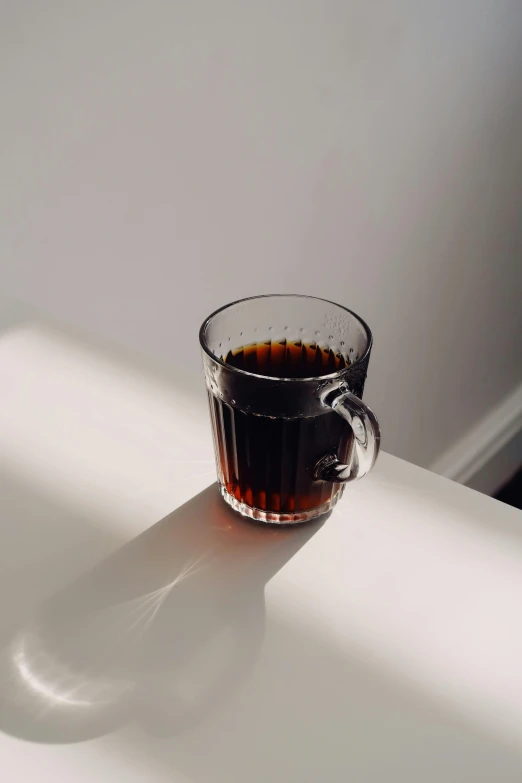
x,y
285,376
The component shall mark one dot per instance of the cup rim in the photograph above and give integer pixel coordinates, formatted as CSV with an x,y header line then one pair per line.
x,y
330,376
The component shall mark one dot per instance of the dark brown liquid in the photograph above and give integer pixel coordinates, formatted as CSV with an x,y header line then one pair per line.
x,y
284,359
268,462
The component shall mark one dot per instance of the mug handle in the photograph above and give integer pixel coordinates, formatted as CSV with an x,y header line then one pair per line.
x,y
367,439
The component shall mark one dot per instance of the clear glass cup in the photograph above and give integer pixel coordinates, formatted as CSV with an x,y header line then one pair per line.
x,y
285,376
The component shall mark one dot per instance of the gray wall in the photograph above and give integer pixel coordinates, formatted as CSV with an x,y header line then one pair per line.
x,y
162,158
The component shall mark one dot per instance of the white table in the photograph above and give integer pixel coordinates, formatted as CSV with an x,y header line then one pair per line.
x,y
384,645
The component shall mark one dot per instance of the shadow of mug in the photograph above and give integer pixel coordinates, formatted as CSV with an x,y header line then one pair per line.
x,y
159,633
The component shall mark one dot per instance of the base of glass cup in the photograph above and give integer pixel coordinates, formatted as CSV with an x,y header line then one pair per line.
x,y
279,517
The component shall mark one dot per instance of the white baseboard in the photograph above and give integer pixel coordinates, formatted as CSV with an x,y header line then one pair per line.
x,y
488,455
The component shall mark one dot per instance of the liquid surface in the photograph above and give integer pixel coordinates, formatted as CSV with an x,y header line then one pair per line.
x,y
285,359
